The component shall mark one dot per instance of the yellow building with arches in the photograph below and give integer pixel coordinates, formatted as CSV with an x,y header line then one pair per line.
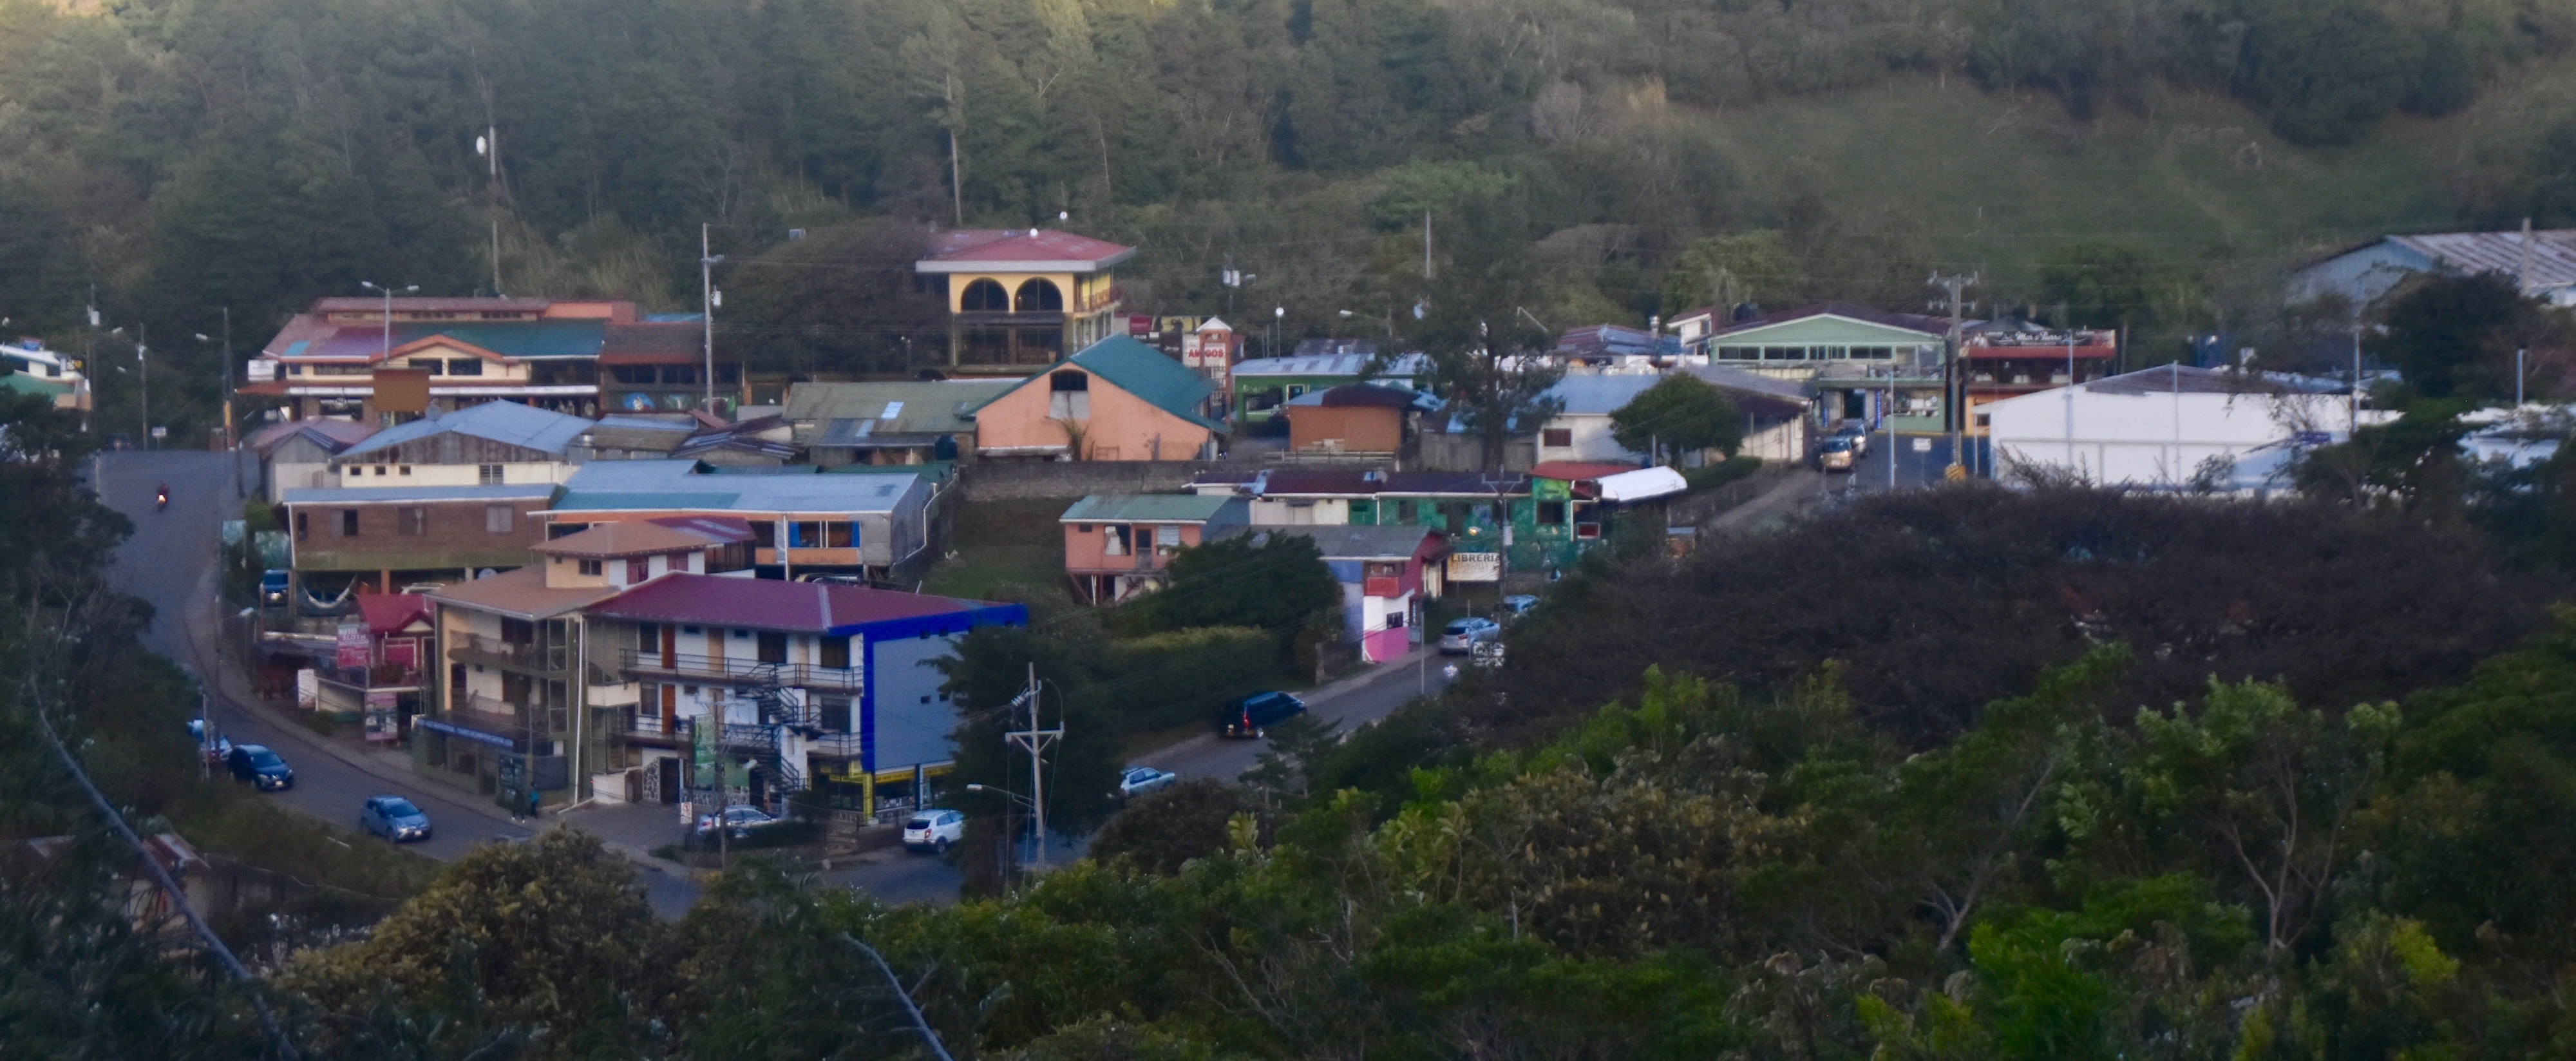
x,y
1019,299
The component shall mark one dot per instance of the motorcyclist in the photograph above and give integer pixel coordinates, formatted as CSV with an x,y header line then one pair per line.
x,y
161,496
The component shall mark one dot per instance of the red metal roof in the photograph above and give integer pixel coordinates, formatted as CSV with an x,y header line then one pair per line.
x,y
771,604
1577,471
361,304
969,245
389,612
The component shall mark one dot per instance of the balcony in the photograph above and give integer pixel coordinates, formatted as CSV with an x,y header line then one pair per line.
x,y
736,670
526,658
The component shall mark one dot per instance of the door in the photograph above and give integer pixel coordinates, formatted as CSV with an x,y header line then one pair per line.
x,y
670,779
670,647
670,708
836,652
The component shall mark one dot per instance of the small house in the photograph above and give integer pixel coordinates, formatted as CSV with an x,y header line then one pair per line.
x,y
1117,400
1354,418
1117,545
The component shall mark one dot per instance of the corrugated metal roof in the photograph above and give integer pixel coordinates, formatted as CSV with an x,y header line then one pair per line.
x,y
1406,366
918,407
1139,370
1600,395
1149,508
394,495
376,304
630,485
2186,379
2553,253
509,423
520,593
802,607
638,537
1935,327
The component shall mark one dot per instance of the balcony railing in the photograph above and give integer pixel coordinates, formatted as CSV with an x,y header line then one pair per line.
x,y
737,670
541,659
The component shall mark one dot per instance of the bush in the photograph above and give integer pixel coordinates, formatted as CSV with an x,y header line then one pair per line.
x,y
1174,678
1721,473
1159,832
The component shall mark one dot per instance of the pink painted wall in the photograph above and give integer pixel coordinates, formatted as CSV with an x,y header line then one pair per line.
x,y
1122,426
1088,551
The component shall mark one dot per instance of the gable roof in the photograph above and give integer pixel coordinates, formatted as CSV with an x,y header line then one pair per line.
x,y
1912,322
804,607
520,593
331,436
646,537
1020,250
1139,370
506,422
1152,508
387,613
2553,254
854,414
1600,395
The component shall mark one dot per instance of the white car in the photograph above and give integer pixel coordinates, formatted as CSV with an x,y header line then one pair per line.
x,y
1139,780
933,829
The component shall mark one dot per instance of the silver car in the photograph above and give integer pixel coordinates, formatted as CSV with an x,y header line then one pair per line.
x,y
1462,636
1139,780
393,818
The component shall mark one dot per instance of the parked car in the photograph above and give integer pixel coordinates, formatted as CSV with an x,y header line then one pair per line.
x,y
739,821
272,588
1515,606
1462,636
1253,715
393,818
1835,456
1856,433
933,829
259,766
1139,780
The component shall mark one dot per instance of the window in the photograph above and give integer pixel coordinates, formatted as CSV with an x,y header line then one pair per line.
x,y
773,647
465,366
840,534
984,296
1114,539
648,637
406,469
1082,528
496,519
295,370
832,713
1040,295
807,534
489,475
1551,513
380,469
835,652
412,521
678,375
348,523
1556,436
1167,536
588,567
430,365
638,569
1407,511
303,526
1069,396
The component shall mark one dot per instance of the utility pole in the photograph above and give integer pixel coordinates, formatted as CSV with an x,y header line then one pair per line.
x,y
1426,244
2517,377
707,310
2522,270
1953,387
143,368
1036,741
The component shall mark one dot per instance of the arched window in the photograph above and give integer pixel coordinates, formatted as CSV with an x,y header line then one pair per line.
x,y
984,296
1041,296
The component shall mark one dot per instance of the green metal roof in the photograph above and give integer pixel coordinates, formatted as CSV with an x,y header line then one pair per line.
x,y
544,338
1150,508
1140,370
26,384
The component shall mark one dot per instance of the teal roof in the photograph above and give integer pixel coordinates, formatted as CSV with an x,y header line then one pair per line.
x,y
544,338
1140,370
1169,508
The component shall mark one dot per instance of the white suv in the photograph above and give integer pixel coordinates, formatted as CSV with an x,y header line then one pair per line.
x,y
933,829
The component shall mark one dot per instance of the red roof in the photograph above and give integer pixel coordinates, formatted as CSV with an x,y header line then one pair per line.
x,y
365,303
1577,471
971,246
770,604
389,612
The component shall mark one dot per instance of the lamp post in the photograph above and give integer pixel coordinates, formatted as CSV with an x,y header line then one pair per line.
x,y
388,292
143,378
1278,316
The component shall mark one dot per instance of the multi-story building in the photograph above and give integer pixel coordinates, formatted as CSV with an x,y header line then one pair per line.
x,y
381,538
544,352
801,521
641,662
2003,360
490,444
1019,298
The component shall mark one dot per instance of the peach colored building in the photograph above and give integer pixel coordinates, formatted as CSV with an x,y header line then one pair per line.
x,y
1352,418
1117,400
1117,545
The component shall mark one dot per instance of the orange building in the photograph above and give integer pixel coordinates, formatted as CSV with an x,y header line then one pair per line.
x,y
1352,418
1117,400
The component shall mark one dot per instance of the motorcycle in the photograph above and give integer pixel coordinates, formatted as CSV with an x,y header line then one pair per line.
x,y
161,499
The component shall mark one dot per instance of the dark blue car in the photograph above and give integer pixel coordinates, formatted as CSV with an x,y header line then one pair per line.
x,y
259,766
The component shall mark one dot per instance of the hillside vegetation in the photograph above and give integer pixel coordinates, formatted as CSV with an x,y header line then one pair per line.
x,y
179,159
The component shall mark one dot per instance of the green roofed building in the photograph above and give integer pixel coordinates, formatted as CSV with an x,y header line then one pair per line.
x,y
1117,545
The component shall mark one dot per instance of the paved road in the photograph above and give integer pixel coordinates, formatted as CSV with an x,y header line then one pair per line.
x,y
1347,704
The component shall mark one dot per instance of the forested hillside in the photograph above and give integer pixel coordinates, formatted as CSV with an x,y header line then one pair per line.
x,y
179,158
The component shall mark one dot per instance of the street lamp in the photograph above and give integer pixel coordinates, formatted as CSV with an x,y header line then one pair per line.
x,y
1278,317
1024,801
389,309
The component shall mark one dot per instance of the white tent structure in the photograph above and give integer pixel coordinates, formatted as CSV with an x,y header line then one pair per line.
x,y
2169,427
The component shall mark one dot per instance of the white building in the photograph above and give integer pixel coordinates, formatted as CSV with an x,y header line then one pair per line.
x,y
500,442
2361,274
2169,427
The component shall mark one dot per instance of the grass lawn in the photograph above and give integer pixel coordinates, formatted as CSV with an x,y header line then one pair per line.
x,y
1002,543
220,818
